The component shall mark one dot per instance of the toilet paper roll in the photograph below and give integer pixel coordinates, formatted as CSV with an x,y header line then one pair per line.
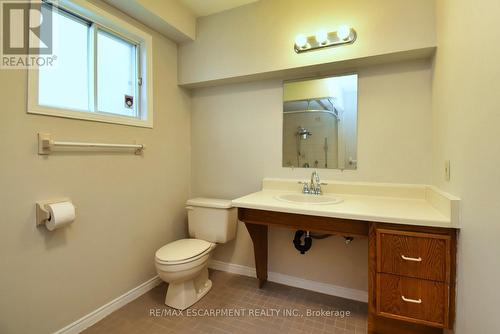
x,y
61,214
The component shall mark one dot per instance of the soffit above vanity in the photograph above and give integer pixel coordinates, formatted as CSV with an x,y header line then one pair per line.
x,y
170,18
204,7
176,19
252,42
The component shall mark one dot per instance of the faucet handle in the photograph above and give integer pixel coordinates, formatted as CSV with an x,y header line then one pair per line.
x,y
305,187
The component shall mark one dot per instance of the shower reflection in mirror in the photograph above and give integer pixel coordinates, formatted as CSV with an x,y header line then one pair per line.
x,y
320,122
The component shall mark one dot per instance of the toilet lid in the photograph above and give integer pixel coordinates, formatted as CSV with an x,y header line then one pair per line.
x,y
182,250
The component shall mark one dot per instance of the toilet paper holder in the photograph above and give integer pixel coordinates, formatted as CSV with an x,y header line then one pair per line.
x,y
42,213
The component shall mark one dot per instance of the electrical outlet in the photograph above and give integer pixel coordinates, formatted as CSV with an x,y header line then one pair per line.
x,y
447,170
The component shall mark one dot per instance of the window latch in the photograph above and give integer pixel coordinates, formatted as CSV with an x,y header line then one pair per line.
x,y
139,81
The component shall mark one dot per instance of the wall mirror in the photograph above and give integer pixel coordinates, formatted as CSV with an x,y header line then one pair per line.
x,y
320,122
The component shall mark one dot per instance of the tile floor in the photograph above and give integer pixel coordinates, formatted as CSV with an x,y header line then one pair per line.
x,y
235,293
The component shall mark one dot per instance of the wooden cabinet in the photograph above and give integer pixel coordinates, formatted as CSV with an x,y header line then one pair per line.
x,y
411,281
413,254
412,277
411,299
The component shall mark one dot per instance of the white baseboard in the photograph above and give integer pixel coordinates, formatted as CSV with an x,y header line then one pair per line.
x,y
297,282
103,311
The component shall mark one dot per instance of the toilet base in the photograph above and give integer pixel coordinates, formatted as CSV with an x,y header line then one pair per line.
x,y
182,295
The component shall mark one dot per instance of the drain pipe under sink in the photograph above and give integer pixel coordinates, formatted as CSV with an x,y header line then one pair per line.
x,y
304,247
297,242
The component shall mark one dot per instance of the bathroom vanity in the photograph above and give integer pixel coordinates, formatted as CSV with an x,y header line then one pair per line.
x,y
411,230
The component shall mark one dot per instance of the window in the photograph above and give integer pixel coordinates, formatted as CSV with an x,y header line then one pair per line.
x,y
116,76
102,70
73,66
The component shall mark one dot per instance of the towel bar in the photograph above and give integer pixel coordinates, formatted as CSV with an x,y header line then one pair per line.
x,y
46,145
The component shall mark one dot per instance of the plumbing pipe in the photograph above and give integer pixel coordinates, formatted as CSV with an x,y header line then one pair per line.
x,y
297,242
320,236
348,240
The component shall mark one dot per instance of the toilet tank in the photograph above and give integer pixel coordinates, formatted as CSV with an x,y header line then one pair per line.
x,y
210,219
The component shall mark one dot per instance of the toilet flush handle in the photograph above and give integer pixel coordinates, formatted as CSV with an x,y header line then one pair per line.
x,y
189,208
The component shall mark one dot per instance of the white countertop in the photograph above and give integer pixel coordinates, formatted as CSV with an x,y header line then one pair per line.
x,y
425,206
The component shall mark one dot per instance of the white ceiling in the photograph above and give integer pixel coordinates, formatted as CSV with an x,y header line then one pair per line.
x,y
208,7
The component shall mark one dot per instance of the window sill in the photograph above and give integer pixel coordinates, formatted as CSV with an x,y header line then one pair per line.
x,y
91,116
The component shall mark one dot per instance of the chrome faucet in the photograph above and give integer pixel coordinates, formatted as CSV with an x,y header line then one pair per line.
x,y
314,179
314,186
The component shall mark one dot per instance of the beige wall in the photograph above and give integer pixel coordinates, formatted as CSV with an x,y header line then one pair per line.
x,y
236,141
259,37
466,131
127,205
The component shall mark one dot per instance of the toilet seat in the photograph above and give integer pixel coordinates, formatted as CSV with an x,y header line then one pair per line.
x,y
183,251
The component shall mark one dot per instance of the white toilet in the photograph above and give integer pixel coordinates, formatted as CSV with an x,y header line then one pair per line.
x,y
183,263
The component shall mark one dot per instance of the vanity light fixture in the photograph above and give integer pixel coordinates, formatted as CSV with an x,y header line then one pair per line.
x,y
301,41
323,39
343,32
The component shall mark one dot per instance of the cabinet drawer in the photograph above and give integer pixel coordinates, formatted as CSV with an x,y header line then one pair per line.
x,y
412,254
410,299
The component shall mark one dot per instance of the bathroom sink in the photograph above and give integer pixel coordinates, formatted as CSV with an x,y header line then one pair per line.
x,y
309,199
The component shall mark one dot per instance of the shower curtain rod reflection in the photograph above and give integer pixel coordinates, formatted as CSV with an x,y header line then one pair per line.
x,y
312,110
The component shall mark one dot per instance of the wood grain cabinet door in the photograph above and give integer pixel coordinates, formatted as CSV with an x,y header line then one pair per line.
x,y
414,254
414,300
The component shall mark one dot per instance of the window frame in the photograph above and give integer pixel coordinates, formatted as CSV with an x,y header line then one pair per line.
x,y
101,20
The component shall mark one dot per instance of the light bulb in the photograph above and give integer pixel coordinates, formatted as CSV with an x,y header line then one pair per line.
x,y
301,41
322,36
343,32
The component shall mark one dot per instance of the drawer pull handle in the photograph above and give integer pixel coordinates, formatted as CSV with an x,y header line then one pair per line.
x,y
414,301
413,259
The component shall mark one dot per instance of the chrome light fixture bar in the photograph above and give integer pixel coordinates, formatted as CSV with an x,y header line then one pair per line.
x,y
324,39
